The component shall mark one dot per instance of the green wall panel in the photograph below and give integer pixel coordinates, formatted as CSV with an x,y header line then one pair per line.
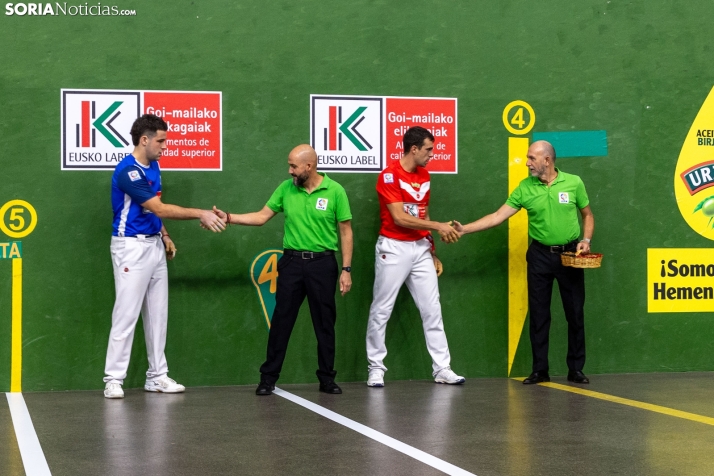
x,y
639,71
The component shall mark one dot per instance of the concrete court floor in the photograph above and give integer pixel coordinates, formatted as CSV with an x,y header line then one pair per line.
x,y
486,427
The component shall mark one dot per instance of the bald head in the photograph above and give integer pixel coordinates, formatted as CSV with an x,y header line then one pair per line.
x,y
304,154
541,160
545,148
302,163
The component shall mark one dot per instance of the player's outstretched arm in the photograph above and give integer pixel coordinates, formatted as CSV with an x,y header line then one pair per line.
x,y
258,218
489,221
207,218
447,233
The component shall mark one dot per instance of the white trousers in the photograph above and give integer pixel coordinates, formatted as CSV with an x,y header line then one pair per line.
x,y
398,262
142,284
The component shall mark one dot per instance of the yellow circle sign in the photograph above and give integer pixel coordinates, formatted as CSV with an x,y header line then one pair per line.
x,y
21,219
514,117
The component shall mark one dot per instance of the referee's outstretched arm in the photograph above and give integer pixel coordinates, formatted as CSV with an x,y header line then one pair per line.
x,y
258,218
489,221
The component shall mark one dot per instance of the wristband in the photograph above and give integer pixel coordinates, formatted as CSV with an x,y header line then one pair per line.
x,y
347,268
586,240
164,235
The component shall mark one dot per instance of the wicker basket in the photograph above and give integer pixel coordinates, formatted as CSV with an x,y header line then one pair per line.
x,y
590,260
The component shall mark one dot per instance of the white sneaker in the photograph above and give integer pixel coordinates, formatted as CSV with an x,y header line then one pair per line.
x,y
164,385
446,375
113,390
376,378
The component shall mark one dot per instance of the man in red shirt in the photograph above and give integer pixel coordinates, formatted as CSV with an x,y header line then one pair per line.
x,y
405,253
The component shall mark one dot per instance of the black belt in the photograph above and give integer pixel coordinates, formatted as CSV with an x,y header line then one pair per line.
x,y
309,254
145,236
572,246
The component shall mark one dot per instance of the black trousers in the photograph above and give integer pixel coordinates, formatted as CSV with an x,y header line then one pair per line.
x,y
315,278
544,266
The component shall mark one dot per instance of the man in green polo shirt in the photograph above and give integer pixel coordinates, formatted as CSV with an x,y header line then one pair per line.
x,y
552,199
315,209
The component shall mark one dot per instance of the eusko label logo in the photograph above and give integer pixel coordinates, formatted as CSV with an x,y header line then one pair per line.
x,y
91,125
65,9
96,125
364,133
346,133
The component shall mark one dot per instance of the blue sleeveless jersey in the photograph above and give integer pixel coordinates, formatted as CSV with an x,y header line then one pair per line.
x,y
132,185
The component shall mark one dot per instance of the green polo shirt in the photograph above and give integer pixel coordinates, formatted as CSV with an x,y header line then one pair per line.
x,y
552,211
311,218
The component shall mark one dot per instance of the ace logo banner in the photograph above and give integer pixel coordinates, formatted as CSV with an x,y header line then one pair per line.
x,y
694,174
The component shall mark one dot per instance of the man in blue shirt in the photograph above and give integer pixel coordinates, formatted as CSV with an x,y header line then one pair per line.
x,y
140,246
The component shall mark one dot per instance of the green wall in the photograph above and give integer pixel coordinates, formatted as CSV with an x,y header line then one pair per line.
x,y
639,70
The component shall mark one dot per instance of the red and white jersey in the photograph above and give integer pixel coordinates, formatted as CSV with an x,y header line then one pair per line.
x,y
397,185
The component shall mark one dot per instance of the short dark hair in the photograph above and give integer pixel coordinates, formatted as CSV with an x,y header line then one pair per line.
x,y
147,125
415,136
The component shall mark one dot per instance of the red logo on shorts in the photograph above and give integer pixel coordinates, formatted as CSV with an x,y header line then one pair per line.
x,y
384,256
126,270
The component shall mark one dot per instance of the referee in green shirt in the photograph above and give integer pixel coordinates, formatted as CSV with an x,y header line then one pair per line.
x,y
315,209
552,199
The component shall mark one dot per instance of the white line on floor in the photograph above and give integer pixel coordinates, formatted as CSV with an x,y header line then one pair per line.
x,y
32,456
425,458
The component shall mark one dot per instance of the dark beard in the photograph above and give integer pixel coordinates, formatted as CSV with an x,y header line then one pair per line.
x,y
300,180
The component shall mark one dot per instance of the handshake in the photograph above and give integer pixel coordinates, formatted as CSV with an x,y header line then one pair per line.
x,y
214,220
450,232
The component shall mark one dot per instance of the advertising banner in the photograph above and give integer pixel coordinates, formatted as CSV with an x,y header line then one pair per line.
x,y
96,125
680,280
364,133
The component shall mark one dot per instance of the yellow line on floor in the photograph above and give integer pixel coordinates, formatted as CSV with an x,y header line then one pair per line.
x,y
628,402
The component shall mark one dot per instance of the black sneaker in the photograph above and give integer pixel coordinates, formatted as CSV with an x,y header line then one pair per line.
x,y
264,388
330,387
